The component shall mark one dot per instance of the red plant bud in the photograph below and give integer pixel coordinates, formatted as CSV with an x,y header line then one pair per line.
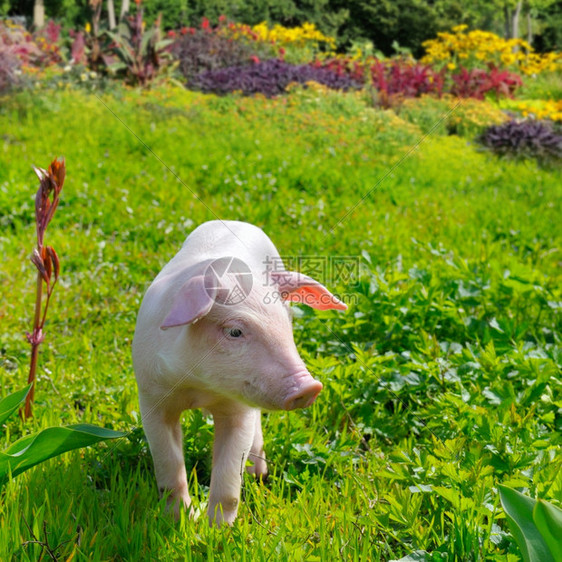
x,y
55,259
47,262
37,261
57,171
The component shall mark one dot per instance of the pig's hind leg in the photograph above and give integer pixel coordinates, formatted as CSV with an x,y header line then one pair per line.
x,y
163,430
257,454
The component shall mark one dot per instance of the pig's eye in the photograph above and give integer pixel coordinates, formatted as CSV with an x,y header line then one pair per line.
x,y
234,332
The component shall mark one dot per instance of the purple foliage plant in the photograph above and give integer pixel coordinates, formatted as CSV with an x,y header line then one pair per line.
x,y
270,78
528,138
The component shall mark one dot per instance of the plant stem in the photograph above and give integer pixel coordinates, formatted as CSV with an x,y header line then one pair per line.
x,y
35,343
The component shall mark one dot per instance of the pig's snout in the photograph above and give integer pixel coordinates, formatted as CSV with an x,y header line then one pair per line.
x,y
306,392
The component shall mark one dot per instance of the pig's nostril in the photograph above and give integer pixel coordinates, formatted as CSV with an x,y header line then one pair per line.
x,y
304,397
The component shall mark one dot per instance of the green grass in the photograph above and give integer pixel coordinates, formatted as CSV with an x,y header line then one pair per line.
x,y
441,381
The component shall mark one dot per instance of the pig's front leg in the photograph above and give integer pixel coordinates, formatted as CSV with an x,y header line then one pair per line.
x,y
161,423
257,454
234,434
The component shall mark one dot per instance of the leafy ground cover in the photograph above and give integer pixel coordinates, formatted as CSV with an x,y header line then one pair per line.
x,y
441,382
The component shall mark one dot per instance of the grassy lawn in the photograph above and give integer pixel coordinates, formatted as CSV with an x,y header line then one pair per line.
x,y
440,382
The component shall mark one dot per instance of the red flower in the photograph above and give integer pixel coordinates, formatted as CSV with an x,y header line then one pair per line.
x,y
222,18
255,59
171,33
282,51
205,24
183,30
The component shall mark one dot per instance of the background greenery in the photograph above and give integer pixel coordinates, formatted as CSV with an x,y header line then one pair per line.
x,y
408,22
441,382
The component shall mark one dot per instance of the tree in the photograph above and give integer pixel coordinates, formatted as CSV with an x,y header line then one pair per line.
x,y
125,8
549,22
111,14
38,13
409,22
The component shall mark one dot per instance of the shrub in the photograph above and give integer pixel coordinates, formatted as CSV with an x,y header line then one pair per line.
x,y
206,48
478,83
540,109
16,47
527,139
344,66
18,42
393,79
404,79
471,116
21,51
10,69
269,78
48,39
446,116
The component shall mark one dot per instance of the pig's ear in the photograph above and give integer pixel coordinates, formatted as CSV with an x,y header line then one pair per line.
x,y
193,301
297,287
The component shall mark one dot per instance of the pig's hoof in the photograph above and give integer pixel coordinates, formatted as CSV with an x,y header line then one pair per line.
x,y
177,503
259,468
223,513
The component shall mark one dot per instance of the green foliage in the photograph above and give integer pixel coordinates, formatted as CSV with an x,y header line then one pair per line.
x,y
550,33
408,22
440,383
173,13
34,449
536,525
547,85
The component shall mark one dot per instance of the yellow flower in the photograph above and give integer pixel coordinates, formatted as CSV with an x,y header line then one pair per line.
x,y
88,27
479,48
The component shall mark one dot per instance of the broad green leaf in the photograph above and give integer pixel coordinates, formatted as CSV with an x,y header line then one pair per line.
x,y
548,519
519,511
10,404
147,36
36,448
449,494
